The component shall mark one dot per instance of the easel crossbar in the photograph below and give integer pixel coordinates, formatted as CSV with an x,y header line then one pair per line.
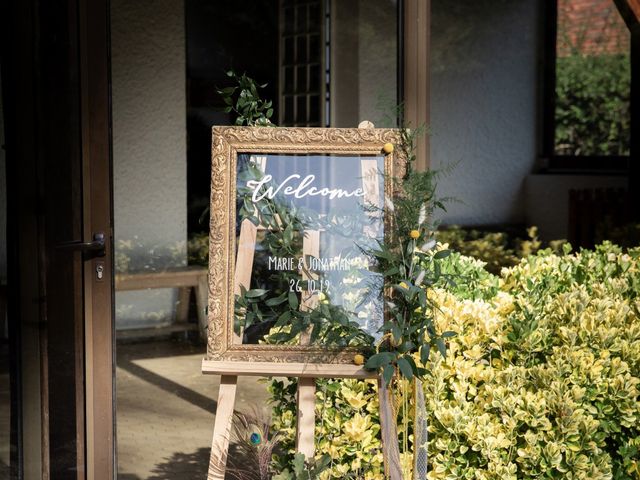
x,y
270,369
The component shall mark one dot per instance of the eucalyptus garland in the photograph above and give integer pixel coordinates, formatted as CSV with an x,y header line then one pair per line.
x,y
405,263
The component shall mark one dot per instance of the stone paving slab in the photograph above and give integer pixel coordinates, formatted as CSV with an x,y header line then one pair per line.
x,y
166,409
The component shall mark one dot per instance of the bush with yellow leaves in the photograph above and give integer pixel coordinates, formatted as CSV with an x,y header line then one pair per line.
x,y
542,379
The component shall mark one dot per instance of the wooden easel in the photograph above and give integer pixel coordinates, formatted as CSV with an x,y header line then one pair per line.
x,y
306,373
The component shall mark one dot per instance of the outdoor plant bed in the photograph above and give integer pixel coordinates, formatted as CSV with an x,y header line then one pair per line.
x,y
541,380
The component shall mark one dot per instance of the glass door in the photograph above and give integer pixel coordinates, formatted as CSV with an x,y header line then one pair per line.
x,y
56,417
320,61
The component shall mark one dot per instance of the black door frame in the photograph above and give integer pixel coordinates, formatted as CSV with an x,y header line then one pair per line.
x,y
56,86
55,81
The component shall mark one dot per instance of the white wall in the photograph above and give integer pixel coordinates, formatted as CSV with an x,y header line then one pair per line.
x,y
483,106
149,145
363,61
377,61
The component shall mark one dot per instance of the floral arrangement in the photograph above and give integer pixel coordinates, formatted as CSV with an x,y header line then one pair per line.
x,y
390,285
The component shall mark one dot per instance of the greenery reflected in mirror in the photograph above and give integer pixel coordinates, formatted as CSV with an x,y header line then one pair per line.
x,y
323,298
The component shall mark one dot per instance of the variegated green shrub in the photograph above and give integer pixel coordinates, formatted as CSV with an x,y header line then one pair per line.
x,y
542,379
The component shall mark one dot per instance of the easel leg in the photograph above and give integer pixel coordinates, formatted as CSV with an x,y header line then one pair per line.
x,y
222,427
202,292
182,308
389,432
306,417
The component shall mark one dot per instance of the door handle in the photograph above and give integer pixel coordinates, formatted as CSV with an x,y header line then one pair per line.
x,y
95,248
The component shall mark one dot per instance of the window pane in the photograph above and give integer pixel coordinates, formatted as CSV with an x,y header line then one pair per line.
x,y
301,110
592,79
301,79
164,103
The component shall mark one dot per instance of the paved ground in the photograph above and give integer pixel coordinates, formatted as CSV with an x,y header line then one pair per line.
x,y
165,410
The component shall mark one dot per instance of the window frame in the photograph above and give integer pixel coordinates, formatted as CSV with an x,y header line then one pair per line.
x,y
549,161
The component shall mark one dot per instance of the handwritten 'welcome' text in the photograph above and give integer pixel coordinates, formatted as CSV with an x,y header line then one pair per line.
x,y
303,189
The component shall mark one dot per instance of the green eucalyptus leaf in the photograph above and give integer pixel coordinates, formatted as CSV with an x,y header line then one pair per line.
x,y
405,368
298,464
283,319
288,234
272,302
386,326
379,359
396,332
293,301
442,254
412,362
437,270
256,292
387,373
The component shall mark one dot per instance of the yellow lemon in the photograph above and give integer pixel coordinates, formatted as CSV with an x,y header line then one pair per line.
x,y
388,148
414,234
358,359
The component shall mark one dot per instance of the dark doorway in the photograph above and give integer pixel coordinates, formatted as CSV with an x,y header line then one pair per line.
x,y
242,36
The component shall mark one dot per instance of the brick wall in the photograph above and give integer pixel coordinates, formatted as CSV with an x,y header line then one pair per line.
x,y
591,27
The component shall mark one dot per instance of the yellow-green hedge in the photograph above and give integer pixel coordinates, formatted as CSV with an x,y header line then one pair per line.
x,y
541,381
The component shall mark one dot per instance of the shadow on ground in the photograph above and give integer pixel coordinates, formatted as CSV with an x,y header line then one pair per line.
x,y
183,466
187,466
174,388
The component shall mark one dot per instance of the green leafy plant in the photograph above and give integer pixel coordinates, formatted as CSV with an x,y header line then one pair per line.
x,y
496,249
302,469
593,86
244,101
410,266
347,426
592,104
198,249
135,255
541,380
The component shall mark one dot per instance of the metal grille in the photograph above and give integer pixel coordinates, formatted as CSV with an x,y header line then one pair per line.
x,y
421,435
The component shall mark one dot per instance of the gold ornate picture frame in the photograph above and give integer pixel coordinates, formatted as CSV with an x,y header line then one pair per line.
x,y
225,276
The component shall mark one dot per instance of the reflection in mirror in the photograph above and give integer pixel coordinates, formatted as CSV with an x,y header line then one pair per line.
x,y
304,223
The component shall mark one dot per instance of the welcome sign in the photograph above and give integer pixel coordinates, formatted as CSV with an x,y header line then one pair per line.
x,y
294,212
